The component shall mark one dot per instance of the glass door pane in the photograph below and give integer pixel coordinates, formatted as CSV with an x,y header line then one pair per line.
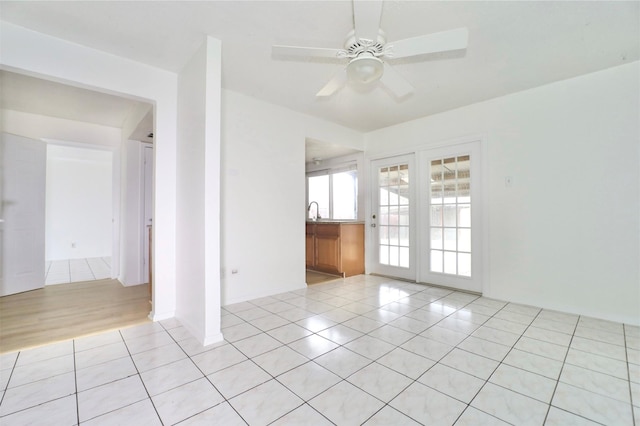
x,y
392,217
450,215
450,222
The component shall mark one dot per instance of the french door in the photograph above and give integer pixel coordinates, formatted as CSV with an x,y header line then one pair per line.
x,y
451,247
392,218
433,237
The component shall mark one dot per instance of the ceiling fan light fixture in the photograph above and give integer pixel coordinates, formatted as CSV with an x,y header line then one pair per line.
x,y
365,69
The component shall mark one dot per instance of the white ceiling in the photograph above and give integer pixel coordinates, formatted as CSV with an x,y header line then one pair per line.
x,y
513,46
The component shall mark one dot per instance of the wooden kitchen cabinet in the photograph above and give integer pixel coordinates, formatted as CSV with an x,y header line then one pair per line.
x,y
310,246
335,248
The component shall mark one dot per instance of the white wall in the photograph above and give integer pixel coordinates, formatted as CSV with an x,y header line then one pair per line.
x,y
263,194
37,126
134,119
131,267
198,183
78,203
566,235
42,56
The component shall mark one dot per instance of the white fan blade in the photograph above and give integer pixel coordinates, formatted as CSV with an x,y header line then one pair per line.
x,y
366,19
429,43
395,82
337,81
318,52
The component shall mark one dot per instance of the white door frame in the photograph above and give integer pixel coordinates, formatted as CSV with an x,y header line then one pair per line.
x,y
115,195
475,282
373,247
481,224
147,205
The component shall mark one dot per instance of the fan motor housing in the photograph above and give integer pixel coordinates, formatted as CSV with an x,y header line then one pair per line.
x,y
355,47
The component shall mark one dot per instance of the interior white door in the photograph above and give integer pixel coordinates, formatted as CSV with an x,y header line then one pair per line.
x,y
23,203
393,217
147,193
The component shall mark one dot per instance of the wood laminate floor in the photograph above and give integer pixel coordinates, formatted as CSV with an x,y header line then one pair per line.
x,y
314,277
67,311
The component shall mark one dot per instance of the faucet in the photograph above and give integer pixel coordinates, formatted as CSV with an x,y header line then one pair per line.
x,y
317,209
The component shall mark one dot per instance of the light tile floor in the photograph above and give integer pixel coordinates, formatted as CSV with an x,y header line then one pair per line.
x,y
364,350
75,270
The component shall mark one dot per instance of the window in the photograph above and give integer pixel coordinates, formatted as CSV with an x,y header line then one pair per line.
x,y
335,191
319,192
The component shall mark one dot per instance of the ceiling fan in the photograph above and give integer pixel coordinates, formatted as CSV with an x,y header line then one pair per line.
x,y
366,46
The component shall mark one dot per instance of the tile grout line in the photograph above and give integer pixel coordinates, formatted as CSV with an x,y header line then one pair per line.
x,y
499,362
203,376
72,341
626,354
416,380
521,334
90,269
467,405
586,368
365,296
345,379
75,381
413,381
129,356
596,371
557,381
6,387
555,388
46,273
271,375
304,402
70,274
141,381
225,400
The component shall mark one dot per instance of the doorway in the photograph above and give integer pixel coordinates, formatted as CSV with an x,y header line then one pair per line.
x,y
41,109
79,213
426,216
393,221
451,227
